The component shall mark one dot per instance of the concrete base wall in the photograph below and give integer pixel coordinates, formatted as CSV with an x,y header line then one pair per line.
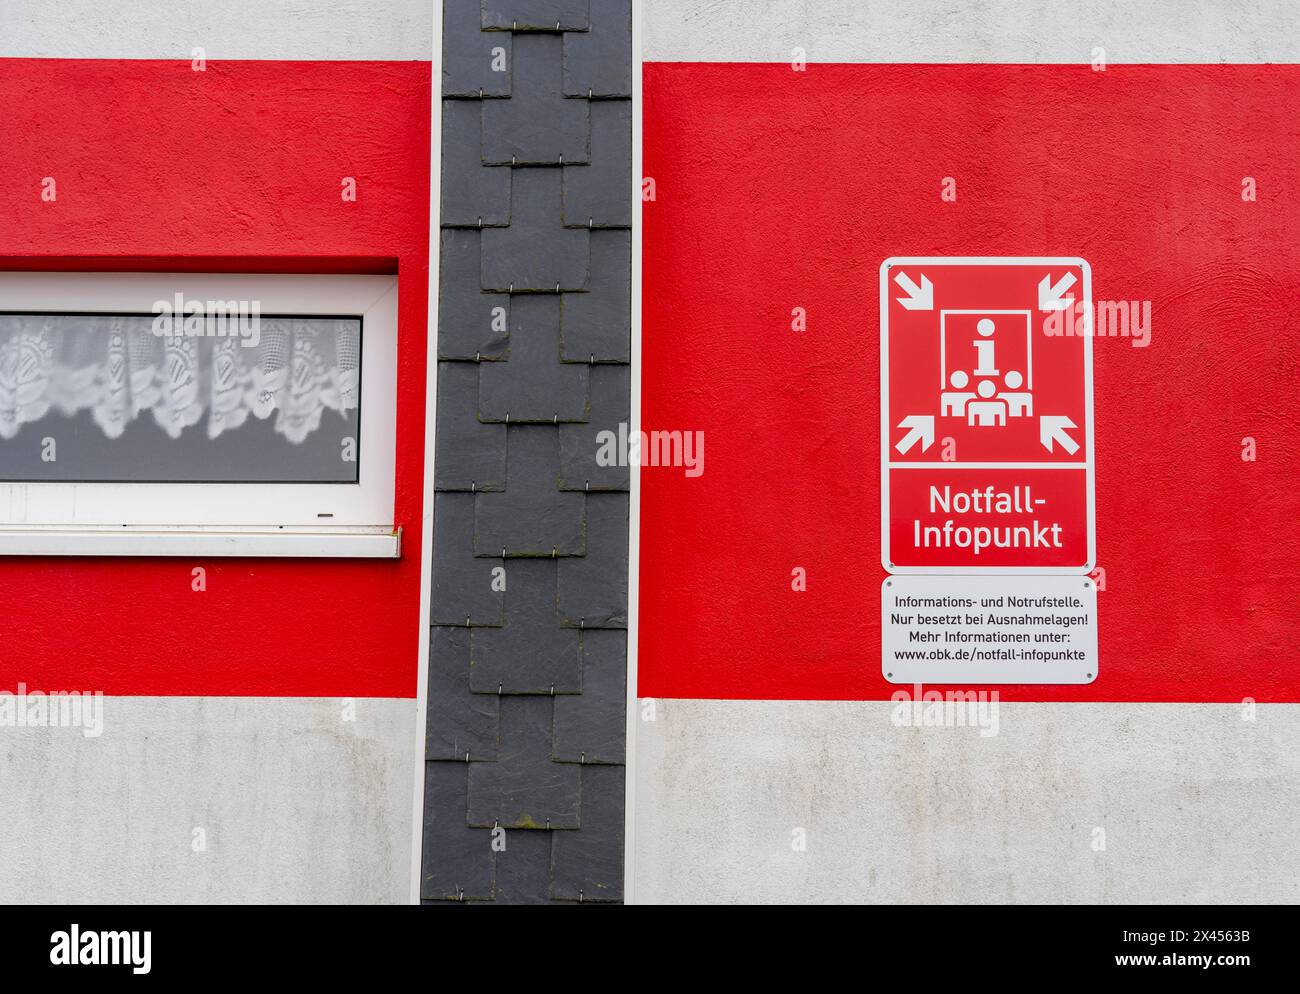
x,y
1196,804
970,31
229,29
295,803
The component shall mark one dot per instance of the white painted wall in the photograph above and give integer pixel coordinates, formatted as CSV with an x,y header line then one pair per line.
x,y
1197,804
297,804
1063,31
224,29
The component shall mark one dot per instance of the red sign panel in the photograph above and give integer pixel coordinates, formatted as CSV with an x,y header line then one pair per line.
x,y
986,415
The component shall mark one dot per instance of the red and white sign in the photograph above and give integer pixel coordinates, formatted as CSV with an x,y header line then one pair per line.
x,y
986,415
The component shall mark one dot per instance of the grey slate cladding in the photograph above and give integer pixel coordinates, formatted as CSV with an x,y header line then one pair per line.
x,y
472,324
534,386
595,194
524,779
536,252
468,54
472,196
537,15
538,125
596,62
596,326
610,390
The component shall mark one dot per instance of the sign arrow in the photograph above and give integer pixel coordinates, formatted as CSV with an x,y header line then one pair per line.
x,y
1049,296
1051,428
922,427
919,298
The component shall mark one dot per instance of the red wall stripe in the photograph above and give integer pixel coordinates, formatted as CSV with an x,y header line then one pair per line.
x,y
777,189
237,169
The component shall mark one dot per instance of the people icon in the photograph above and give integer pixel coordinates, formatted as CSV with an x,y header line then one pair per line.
x,y
953,402
993,397
1019,402
981,407
987,411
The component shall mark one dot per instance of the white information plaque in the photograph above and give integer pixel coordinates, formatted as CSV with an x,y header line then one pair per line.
x,y
988,629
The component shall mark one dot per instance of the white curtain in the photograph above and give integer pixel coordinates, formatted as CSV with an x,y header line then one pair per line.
x,y
121,370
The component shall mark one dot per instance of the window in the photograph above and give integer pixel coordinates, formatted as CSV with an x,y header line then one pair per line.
x,y
191,414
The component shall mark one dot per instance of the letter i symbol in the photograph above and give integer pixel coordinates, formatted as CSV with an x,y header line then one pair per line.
x,y
984,349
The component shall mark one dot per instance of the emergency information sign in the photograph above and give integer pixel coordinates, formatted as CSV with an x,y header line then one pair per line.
x,y
980,629
986,416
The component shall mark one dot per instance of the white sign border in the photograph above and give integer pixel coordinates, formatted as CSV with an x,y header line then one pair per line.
x,y
895,262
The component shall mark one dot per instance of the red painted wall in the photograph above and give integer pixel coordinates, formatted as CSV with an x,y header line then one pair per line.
x,y
778,189
234,169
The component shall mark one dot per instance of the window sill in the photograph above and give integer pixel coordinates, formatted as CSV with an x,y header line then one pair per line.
x,y
340,543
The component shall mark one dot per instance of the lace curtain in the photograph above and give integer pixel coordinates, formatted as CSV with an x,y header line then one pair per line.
x,y
116,367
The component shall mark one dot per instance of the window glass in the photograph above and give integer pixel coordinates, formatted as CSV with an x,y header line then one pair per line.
x,y
135,398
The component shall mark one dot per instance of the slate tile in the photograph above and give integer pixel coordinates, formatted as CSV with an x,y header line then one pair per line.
x,y
536,15
532,384
531,517
458,861
585,447
462,583
590,727
588,865
460,723
468,54
535,252
593,588
468,454
599,195
538,125
499,282
473,195
597,326
531,653
523,788
471,323
524,867
599,61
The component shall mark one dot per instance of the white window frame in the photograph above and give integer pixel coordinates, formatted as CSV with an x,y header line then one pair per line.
x,y
221,519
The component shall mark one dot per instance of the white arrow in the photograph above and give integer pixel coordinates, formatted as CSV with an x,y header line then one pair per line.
x,y
922,427
1049,297
919,298
1052,429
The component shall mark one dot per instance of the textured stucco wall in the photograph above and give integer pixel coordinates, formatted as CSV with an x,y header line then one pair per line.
x,y
295,802
1197,804
971,30
224,29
